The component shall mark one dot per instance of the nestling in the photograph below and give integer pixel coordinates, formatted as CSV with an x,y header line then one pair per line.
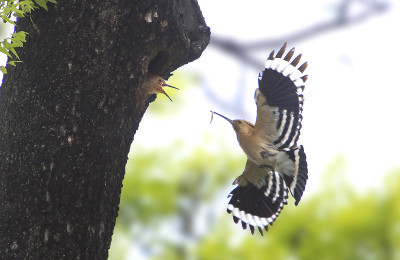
x,y
154,84
275,164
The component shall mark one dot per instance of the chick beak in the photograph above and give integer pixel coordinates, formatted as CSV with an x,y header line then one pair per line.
x,y
229,120
166,85
162,90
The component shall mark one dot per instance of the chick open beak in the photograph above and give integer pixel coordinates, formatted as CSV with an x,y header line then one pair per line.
x,y
166,85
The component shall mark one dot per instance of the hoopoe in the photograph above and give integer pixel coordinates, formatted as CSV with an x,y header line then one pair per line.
x,y
154,84
275,163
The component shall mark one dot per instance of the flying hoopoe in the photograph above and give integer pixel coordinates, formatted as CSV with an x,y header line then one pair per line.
x,y
154,84
275,163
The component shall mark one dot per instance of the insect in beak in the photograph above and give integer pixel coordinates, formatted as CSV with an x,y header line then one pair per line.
x,y
212,115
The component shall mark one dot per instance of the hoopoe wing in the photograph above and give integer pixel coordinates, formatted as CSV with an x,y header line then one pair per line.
x,y
292,165
259,197
280,92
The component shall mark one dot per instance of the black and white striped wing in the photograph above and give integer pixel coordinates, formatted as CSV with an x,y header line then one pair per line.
x,y
297,181
282,84
259,197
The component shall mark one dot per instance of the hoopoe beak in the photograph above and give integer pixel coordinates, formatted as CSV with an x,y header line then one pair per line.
x,y
229,120
162,90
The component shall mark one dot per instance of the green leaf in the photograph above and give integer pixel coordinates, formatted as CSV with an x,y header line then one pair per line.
x,y
17,9
20,36
12,62
42,3
7,45
17,12
5,18
19,15
27,6
16,42
14,52
3,69
5,51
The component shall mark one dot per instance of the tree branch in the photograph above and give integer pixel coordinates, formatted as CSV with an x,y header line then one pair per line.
x,y
343,18
241,51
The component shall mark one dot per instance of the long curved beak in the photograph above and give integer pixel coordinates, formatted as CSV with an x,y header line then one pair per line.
x,y
166,85
229,120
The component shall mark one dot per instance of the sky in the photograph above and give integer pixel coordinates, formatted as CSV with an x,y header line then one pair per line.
x,y
351,100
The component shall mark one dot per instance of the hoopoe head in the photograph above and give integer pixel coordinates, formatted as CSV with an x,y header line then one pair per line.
x,y
154,84
240,126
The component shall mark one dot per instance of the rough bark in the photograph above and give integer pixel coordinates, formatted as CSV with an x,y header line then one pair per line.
x,y
69,112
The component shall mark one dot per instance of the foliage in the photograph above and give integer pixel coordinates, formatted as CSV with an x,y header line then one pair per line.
x,y
176,211
16,9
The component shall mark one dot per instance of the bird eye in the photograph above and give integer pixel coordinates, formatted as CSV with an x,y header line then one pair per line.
x,y
160,81
239,122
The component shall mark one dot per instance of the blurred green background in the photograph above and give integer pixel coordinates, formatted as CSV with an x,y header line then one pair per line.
x,y
173,207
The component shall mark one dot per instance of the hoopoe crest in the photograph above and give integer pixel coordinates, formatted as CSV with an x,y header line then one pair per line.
x,y
276,165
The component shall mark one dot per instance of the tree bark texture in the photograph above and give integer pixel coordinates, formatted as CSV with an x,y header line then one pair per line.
x,y
69,112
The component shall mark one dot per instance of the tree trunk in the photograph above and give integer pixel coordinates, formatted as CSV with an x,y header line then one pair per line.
x,y
69,112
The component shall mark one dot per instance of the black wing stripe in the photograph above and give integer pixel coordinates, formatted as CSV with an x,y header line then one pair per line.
x,y
258,207
290,135
281,91
293,143
278,114
302,175
282,83
288,126
284,126
297,182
